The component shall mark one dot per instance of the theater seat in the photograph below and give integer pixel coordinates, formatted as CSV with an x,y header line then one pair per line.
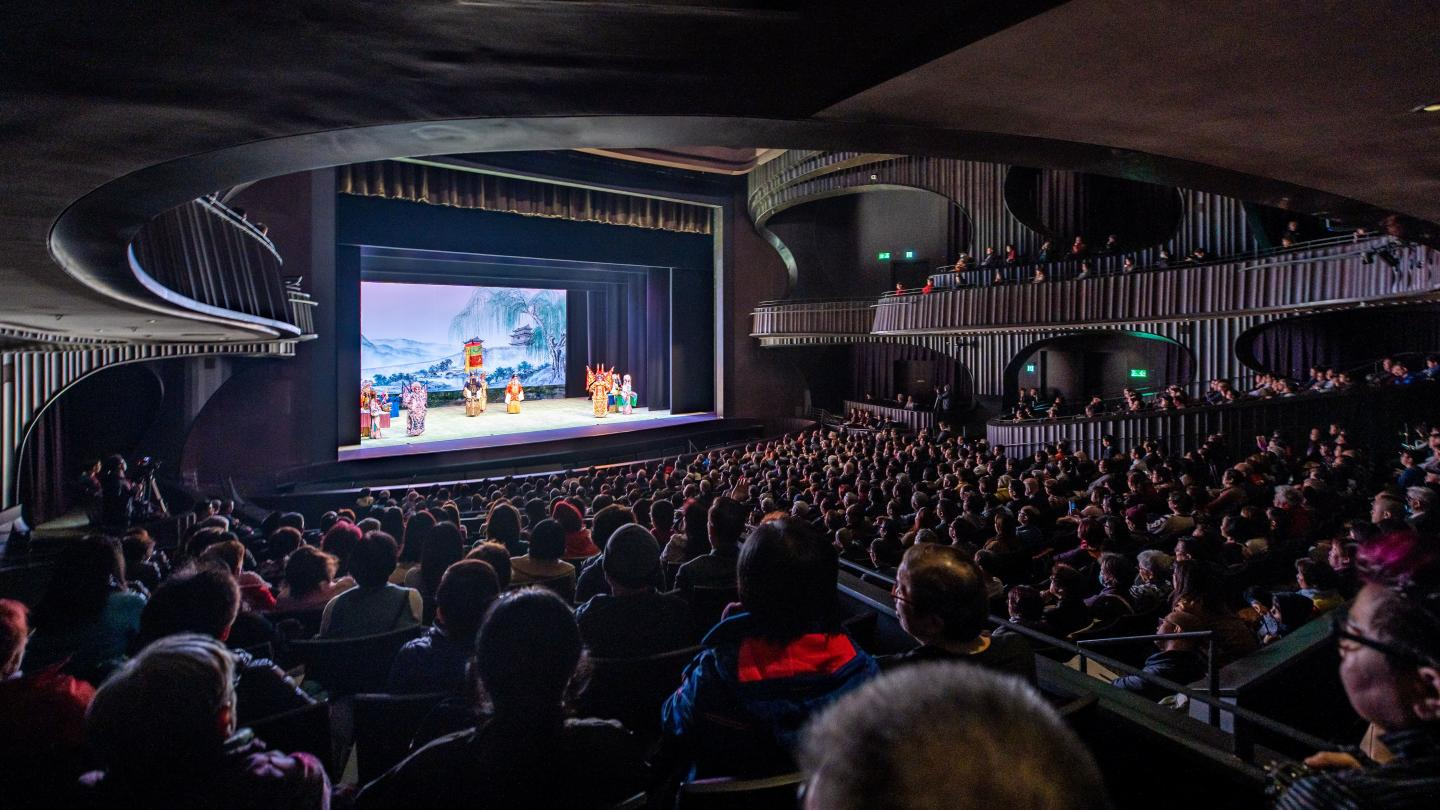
x,y
632,690
385,725
707,602
347,666
304,729
768,793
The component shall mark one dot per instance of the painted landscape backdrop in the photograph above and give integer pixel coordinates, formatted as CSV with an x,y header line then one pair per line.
x,y
417,333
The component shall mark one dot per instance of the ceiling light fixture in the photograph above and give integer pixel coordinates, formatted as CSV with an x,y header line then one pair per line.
x,y
1433,106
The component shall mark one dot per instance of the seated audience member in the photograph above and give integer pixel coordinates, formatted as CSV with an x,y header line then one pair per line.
x,y
205,599
42,719
502,525
946,735
543,564
310,581
577,537
1199,592
694,538
254,591
1319,583
141,566
340,540
633,620
941,600
1151,588
87,618
526,654
1390,667
1422,502
1026,607
1069,612
1117,573
164,729
1179,659
374,605
412,544
591,579
498,558
436,661
765,671
716,569
445,547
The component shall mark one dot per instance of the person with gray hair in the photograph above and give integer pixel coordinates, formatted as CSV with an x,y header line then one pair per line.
x,y
1152,585
946,735
1422,502
163,726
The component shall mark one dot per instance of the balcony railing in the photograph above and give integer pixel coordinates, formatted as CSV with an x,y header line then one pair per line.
x,y
1305,278
834,317
205,257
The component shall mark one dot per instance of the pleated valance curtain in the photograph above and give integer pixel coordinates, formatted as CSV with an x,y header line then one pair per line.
x,y
488,192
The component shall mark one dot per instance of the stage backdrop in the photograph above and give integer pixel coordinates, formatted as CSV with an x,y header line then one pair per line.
x,y
417,333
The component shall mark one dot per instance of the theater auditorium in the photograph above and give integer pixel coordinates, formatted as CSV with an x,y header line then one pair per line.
x,y
720,405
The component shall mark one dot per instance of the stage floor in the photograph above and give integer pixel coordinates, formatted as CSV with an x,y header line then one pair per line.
x,y
448,428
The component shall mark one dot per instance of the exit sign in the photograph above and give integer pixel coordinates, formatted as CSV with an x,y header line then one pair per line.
x,y
909,254
1029,368
883,256
1139,373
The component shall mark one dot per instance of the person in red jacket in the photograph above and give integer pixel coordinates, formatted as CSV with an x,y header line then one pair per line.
x,y
42,718
577,537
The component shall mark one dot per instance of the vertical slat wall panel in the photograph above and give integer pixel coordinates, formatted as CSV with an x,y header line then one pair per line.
x,y
33,379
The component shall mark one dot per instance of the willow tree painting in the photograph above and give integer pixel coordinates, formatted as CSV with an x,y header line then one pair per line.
x,y
535,321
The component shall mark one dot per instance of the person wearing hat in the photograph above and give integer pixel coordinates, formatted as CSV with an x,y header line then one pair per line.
x,y
1178,660
633,620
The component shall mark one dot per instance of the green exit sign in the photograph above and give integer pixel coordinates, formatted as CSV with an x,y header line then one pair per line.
x,y
909,254
883,256
1139,373
1029,368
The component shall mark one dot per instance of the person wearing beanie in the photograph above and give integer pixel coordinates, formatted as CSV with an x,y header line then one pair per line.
x,y
633,620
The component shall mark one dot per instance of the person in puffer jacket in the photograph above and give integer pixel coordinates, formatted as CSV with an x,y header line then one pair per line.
x,y
745,698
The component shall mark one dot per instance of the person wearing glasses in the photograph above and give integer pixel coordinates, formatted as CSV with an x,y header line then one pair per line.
x,y
1390,667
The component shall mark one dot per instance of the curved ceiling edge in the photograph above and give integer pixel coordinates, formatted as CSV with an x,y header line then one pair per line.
x,y
89,238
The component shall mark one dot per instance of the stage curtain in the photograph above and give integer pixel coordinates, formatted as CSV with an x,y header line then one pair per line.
x,y
461,189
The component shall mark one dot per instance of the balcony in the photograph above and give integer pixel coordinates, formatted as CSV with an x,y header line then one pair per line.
x,y
205,258
1331,275
813,322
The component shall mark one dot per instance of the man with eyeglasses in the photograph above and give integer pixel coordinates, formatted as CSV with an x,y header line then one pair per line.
x,y
1390,666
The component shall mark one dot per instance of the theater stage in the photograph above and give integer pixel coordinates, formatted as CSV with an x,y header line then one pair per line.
x,y
448,428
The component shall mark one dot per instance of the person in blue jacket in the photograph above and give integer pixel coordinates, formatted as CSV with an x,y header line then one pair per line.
x,y
763,672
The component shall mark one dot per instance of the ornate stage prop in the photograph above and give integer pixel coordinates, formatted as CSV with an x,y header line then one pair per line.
x,y
474,390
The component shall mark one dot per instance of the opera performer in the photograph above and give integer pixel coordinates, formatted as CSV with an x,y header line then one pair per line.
x,y
628,398
474,393
514,394
416,401
597,382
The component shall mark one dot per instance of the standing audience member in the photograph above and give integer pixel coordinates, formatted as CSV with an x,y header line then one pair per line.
x,y
164,729
526,654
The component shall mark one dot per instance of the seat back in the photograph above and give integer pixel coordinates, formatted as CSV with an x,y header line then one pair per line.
x,y
347,666
304,729
563,586
767,793
297,623
707,602
632,690
384,728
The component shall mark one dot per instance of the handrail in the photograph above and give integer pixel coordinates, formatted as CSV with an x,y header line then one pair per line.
x,y
1242,746
1212,668
1109,264
867,301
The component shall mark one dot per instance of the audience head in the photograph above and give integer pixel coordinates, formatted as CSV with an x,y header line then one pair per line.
x,y
14,633
497,556
307,569
893,743
632,560
200,598
466,591
607,520
86,572
502,524
444,547
547,540
166,713
373,560
939,595
526,654
787,573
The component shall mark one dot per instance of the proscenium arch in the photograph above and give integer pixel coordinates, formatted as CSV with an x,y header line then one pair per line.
x,y
1010,377
89,238
762,222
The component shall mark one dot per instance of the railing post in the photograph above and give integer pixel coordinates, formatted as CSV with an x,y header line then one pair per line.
x,y
1213,681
